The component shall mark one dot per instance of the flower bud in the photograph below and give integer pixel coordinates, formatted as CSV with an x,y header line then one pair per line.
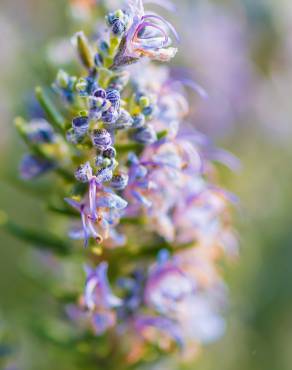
x,y
109,153
101,139
110,18
73,137
40,131
125,120
145,135
110,116
114,97
100,93
62,79
144,102
83,172
100,161
119,181
138,121
104,175
117,21
81,85
118,27
80,125
98,60
147,111
32,166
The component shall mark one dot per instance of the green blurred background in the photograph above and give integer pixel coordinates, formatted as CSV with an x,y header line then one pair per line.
x,y
241,51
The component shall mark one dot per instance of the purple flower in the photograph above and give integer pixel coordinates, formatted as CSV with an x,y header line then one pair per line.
x,y
100,212
147,35
167,286
83,173
32,166
98,303
200,318
145,135
102,321
133,287
200,214
98,294
164,189
154,328
156,182
40,131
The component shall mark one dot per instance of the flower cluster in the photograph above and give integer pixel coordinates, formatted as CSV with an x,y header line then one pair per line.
x,y
141,178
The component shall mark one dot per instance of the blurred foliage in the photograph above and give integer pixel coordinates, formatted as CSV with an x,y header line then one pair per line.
x,y
260,321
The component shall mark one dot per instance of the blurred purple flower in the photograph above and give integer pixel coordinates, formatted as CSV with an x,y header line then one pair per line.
x,y
32,166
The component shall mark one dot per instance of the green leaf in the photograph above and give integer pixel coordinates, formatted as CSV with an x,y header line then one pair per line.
x,y
55,117
20,124
63,211
39,239
84,50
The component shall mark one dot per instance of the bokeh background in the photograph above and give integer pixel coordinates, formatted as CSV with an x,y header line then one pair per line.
x,y
241,52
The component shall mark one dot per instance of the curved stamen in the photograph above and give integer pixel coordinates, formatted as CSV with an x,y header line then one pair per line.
x,y
74,203
195,87
158,164
152,25
94,232
92,198
84,226
164,21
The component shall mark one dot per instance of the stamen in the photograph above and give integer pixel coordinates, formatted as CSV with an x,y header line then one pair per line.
x,y
168,24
